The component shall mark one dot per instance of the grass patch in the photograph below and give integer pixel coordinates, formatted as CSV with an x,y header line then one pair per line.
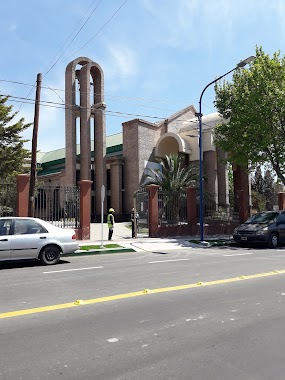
x,y
217,242
92,247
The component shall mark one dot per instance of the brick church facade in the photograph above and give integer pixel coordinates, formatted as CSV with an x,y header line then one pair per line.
x,y
119,161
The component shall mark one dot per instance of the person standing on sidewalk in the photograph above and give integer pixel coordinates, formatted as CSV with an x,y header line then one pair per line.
x,y
111,222
134,220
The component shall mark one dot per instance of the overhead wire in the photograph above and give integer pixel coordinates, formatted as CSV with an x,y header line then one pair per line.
x,y
88,18
63,45
51,104
31,90
99,31
95,93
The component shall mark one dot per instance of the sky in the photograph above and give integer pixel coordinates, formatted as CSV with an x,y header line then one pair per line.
x,y
157,55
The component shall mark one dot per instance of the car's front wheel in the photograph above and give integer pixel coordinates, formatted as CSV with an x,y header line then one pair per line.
x,y
49,255
273,240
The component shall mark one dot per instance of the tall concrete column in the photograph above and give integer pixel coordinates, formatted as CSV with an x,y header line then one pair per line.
x,y
85,209
99,153
71,113
85,115
210,172
86,111
241,182
223,179
116,168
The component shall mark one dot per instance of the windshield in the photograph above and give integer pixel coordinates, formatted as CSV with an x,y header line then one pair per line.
x,y
263,217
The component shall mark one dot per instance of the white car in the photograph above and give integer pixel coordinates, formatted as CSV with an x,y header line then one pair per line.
x,y
33,238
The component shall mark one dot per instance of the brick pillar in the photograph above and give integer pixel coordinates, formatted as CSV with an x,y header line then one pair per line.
x,y
191,207
243,206
210,172
152,209
85,115
116,168
23,182
241,182
281,201
85,209
223,180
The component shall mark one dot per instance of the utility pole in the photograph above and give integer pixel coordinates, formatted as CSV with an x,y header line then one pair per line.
x,y
31,207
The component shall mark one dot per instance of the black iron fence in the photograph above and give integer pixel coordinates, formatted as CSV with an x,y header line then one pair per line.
x,y
141,200
58,204
220,207
172,207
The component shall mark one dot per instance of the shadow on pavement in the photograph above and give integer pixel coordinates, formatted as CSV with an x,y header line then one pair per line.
x,y
26,264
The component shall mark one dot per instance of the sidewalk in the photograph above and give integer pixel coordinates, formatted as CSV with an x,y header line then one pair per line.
x,y
123,236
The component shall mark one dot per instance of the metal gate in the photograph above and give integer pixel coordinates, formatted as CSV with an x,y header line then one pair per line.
x,y
58,204
141,200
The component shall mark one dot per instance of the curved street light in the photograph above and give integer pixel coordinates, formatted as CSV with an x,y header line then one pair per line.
x,y
199,115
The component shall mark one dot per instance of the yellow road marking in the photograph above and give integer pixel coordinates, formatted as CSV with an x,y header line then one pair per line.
x,y
135,294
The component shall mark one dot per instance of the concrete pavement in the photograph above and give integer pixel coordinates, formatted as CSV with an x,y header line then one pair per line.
x,y
123,236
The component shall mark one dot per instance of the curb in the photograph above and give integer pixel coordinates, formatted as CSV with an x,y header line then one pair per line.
x,y
99,251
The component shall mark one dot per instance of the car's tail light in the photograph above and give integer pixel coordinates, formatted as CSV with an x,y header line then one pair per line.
x,y
74,237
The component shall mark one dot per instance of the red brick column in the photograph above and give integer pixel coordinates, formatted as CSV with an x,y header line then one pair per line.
x,y
191,207
152,209
281,201
85,209
243,206
23,183
241,182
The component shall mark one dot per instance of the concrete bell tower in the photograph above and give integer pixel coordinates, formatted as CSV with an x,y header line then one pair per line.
x,y
86,74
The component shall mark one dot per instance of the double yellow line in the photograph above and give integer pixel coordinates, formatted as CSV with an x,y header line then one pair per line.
x,y
144,292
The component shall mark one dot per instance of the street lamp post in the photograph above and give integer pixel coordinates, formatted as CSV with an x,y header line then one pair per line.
x,y
199,115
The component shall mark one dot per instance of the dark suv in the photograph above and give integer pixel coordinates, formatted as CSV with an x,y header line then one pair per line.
x,y
264,227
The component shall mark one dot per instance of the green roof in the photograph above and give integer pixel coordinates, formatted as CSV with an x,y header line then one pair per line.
x,y
113,144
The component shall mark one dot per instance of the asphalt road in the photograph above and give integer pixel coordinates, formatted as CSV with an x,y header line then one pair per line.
x,y
183,314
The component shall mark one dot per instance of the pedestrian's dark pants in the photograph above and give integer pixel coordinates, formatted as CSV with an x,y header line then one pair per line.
x,y
133,229
110,234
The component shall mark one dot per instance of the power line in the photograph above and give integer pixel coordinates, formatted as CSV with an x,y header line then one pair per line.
x,y
91,39
95,93
71,34
62,53
100,1
29,93
51,104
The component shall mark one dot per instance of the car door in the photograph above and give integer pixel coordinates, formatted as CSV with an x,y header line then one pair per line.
x,y
281,226
5,239
27,239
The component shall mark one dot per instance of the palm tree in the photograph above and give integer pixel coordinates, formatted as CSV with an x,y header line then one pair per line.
x,y
174,178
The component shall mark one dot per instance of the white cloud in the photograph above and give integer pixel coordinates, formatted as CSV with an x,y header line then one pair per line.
x,y
191,24
120,66
123,60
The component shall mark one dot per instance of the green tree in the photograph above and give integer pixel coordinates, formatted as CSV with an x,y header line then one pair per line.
x,y
268,189
174,175
12,152
254,106
263,190
257,183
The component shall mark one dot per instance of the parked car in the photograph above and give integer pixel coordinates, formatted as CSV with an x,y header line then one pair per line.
x,y
33,238
264,227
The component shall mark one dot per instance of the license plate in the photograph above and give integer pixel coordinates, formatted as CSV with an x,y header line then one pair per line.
x,y
243,238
